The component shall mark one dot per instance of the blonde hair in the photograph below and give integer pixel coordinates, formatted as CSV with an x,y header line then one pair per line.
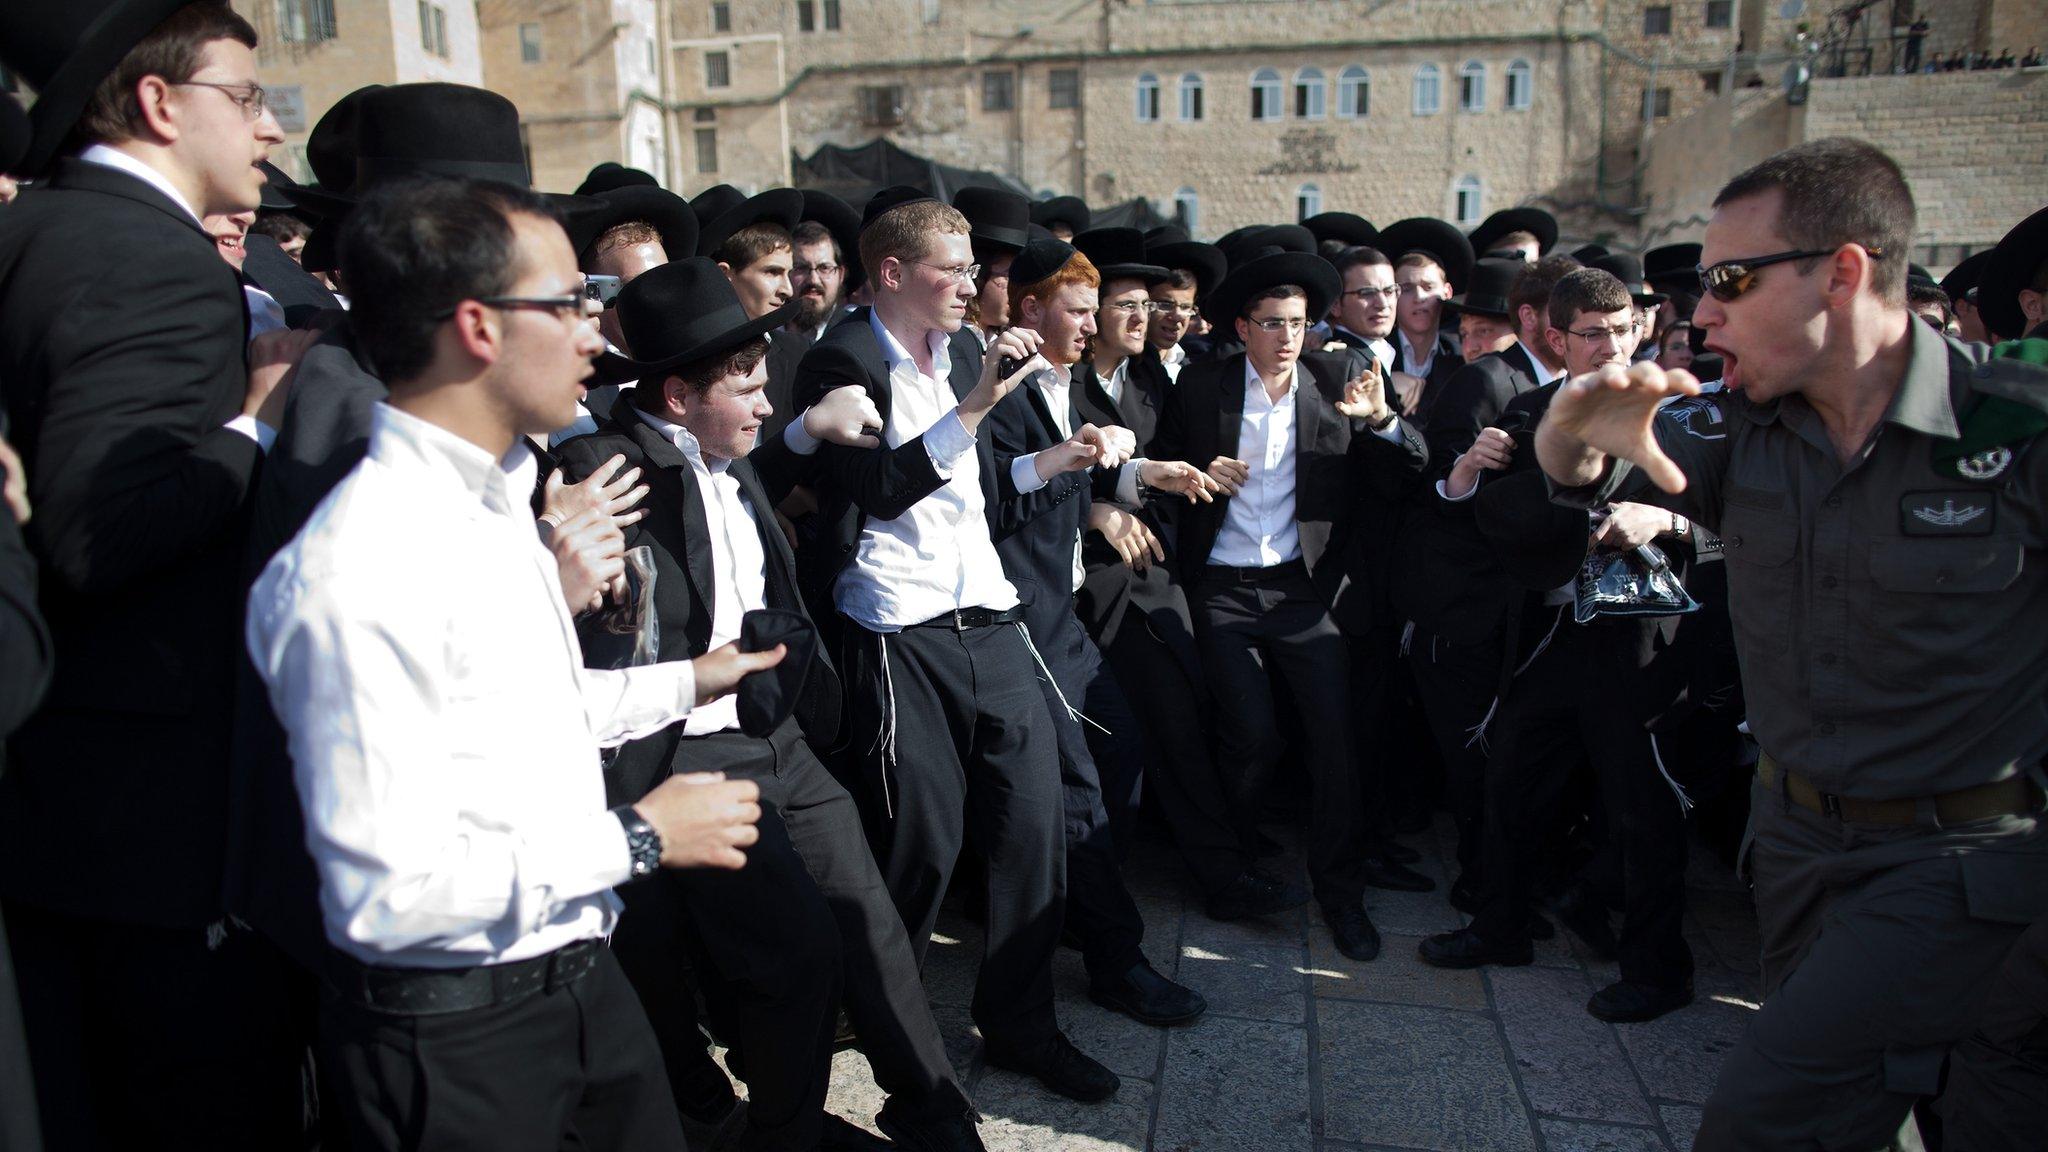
x,y
906,232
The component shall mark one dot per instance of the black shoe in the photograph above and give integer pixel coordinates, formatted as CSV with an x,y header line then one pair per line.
x,y
931,1133
1382,872
1148,997
1468,949
1352,929
1632,1001
1579,911
1061,1067
1465,896
840,1136
1255,893
1396,851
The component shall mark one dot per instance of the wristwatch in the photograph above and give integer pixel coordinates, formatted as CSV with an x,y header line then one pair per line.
x,y
1383,425
643,843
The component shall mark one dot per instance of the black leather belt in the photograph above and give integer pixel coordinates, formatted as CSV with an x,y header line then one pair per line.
x,y
435,991
961,619
1231,575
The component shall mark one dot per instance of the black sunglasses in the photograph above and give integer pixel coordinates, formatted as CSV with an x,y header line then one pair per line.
x,y
1730,279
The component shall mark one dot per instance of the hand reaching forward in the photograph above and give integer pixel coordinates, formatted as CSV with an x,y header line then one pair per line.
x,y
1631,526
1134,542
1070,455
590,557
1118,445
720,670
1228,474
846,415
1609,414
1366,399
704,819
1490,452
1180,477
605,490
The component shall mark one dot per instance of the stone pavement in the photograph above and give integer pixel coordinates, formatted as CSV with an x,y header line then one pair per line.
x,y
1305,1051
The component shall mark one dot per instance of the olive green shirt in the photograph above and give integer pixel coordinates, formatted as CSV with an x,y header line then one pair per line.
x,y
1892,621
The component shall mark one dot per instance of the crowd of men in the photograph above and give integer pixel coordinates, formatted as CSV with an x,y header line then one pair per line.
x,y
465,645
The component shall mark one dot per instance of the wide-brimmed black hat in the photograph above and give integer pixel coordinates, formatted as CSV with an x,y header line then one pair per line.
x,y
723,210
2010,269
1627,267
838,218
685,311
1539,545
663,210
1535,221
1039,260
64,48
997,218
1270,268
1251,242
1165,234
1205,262
1119,252
14,134
331,152
1347,228
1673,268
612,174
1487,294
1437,239
275,181
1587,253
1068,210
889,199
1964,276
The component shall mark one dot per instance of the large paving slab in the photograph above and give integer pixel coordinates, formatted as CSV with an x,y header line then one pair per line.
x,y
1235,1084
1569,1064
1417,1078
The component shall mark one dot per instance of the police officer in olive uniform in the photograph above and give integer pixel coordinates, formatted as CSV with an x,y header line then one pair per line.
x,y
1884,510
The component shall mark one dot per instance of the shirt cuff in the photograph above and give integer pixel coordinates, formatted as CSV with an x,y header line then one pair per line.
x,y
1024,474
1391,433
946,441
1127,482
1445,495
797,438
263,434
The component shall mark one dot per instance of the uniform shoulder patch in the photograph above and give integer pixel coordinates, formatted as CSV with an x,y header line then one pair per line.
x,y
1698,416
2008,408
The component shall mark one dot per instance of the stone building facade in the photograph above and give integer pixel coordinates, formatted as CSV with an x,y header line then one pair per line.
x,y
588,77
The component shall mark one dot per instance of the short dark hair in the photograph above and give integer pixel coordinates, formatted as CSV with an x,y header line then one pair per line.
x,y
751,243
651,394
1175,279
171,50
1276,292
1418,259
1359,257
1838,191
414,248
279,226
1586,290
1918,294
1533,284
812,232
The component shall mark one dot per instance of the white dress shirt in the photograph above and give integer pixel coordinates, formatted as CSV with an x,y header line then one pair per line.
x,y
1173,360
1418,360
1259,529
739,581
1056,383
936,557
444,732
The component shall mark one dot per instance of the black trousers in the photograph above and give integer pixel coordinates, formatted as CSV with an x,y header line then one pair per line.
x,y
1182,783
1276,622
1116,742
1382,758
1563,705
570,1067
949,730
149,1037
1456,683
774,981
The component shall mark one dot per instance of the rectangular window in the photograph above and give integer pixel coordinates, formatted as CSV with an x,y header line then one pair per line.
x,y
806,16
721,16
1063,88
1657,20
1656,103
881,106
529,43
434,29
998,91
1266,102
831,15
704,115
707,150
717,69
1190,101
1720,13
304,21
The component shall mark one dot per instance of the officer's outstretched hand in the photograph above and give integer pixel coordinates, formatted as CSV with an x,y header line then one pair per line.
x,y
1609,413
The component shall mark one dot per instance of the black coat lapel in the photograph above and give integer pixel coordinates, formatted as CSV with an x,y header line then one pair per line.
x,y
676,473
1230,389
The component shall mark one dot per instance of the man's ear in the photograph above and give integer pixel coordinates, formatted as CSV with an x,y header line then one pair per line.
x,y
1526,319
675,395
725,268
153,97
1556,340
477,330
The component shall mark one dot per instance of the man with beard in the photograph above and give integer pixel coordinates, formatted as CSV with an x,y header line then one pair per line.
x,y
818,276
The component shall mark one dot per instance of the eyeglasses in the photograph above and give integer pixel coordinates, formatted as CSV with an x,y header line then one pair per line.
x,y
1730,279
248,97
1419,288
1616,333
954,275
1170,308
1278,325
570,305
1387,293
815,270
1126,308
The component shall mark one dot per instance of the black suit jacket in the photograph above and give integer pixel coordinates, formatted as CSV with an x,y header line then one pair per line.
x,y
1036,539
122,336
675,531
785,352
1442,367
24,639
1332,455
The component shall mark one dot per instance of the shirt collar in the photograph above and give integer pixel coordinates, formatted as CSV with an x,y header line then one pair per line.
x,y
1173,355
894,353
1924,402
1252,379
1544,375
109,157
1054,376
684,440
504,485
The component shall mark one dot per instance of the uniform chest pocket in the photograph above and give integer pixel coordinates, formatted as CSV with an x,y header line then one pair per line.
x,y
1763,581
1946,566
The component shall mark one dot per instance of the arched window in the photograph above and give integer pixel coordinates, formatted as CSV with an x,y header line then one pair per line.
x,y
1521,86
1148,96
1354,92
1309,91
1191,97
1472,86
1429,92
1265,94
1187,210
1308,201
1468,202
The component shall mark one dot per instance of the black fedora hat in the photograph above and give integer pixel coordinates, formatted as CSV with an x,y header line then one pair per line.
x,y
64,48
1434,238
1538,544
1270,268
1627,267
1964,276
1118,252
1347,228
1166,234
996,217
1587,253
1252,242
1534,221
612,174
1205,262
1068,210
1487,294
2011,268
661,209
331,149
14,132
838,218
686,311
1039,260
427,129
889,199
1673,268
274,183
723,210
